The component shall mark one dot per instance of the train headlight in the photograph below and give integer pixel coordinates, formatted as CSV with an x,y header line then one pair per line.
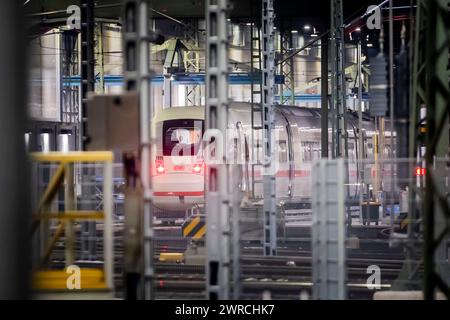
x,y
197,168
160,168
159,164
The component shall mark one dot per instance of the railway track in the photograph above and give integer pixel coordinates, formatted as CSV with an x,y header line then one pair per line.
x,y
285,275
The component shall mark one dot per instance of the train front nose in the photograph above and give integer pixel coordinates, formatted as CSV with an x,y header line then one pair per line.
x,y
178,186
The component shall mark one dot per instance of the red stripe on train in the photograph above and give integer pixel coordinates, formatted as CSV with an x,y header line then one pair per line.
x,y
178,193
285,173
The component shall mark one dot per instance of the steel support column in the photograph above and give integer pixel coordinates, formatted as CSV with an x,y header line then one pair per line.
x,y
88,245
328,229
14,180
70,99
287,92
217,187
137,37
268,89
436,204
360,155
256,105
324,96
192,61
87,64
338,83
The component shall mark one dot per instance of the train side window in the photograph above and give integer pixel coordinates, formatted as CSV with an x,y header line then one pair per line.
x,y
316,152
235,150
259,151
306,151
310,151
282,151
351,151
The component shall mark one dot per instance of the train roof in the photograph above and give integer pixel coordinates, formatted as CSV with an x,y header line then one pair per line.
x,y
184,112
197,112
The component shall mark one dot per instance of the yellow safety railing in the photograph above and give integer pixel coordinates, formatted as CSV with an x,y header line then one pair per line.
x,y
90,278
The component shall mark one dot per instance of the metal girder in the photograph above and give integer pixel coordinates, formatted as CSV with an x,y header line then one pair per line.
x,y
436,210
14,178
216,118
88,230
136,41
255,100
175,52
328,229
287,92
175,49
324,97
430,91
338,83
99,56
268,124
87,64
70,99
192,61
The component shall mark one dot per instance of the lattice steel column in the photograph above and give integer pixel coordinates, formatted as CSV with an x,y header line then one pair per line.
x,y
137,37
87,64
216,114
324,97
436,203
99,56
88,245
328,229
70,98
338,83
192,61
255,101
268,89
287,92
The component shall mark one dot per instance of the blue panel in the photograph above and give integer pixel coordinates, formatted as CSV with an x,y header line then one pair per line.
x,y
182,79
199,79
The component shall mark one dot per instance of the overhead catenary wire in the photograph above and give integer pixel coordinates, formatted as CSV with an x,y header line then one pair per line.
x,y
346,26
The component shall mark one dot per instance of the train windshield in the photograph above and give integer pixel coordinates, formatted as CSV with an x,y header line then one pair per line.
x,y
182,137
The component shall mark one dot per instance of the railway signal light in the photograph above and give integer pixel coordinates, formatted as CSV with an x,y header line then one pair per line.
x,y
420,171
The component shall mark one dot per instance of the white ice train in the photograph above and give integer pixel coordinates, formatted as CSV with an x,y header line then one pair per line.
x,y
178,171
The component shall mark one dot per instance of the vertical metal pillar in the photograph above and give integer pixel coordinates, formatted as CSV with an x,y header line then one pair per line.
x,y
328,229
146,139
87,85
287,92
69,98
360,155
324,97
192,61
268,89
391,114
216,114
418,81
236,179
338,83
99,56
436,204
137,38
14,183
108,232
87,64
69,204
256,105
